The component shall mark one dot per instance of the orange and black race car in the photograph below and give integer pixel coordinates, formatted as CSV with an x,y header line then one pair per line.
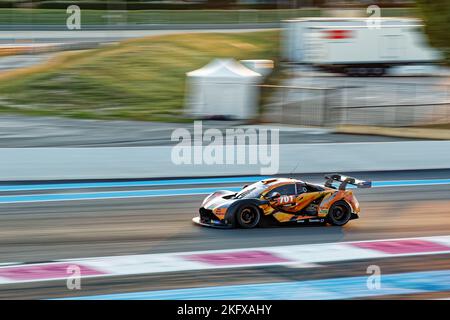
x,y
283,200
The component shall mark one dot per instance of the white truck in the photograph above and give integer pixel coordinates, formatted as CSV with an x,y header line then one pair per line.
x,y
356,46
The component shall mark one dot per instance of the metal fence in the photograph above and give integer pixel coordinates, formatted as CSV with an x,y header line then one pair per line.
x,y
393,115
308,106
403,104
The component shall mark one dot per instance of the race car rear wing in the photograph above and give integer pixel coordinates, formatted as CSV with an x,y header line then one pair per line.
x,y
344,180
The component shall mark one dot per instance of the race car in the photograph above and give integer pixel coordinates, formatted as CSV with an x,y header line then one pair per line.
x,y
283,200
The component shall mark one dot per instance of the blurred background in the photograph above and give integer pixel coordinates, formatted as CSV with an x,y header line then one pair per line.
x,y
128,61
91,92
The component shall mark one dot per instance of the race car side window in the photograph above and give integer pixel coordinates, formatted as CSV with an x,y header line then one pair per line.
x,y
313,188
284,190
301,188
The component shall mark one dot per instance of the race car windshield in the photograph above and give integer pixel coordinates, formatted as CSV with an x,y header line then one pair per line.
x,y
251,191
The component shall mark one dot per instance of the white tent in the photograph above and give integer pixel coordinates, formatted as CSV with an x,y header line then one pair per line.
x,y
223,87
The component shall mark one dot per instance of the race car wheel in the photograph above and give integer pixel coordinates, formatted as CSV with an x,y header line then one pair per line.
x,y
248,217
339,213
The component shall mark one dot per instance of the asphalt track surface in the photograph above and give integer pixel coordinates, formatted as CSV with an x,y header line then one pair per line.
x,y
18,131
104,36
43,231
39,232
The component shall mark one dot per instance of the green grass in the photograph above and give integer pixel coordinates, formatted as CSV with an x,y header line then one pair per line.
x,y
104,17
140,79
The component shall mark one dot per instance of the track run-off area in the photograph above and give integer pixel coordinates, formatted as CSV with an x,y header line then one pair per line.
x,y
135,240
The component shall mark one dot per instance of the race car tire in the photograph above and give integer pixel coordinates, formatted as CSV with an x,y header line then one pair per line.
x,y
248,216
339,213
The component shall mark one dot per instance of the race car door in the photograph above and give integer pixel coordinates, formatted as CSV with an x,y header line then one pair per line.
x,y
300,201
286,200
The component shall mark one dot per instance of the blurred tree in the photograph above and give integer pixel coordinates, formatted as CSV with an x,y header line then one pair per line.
x,y
436,15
